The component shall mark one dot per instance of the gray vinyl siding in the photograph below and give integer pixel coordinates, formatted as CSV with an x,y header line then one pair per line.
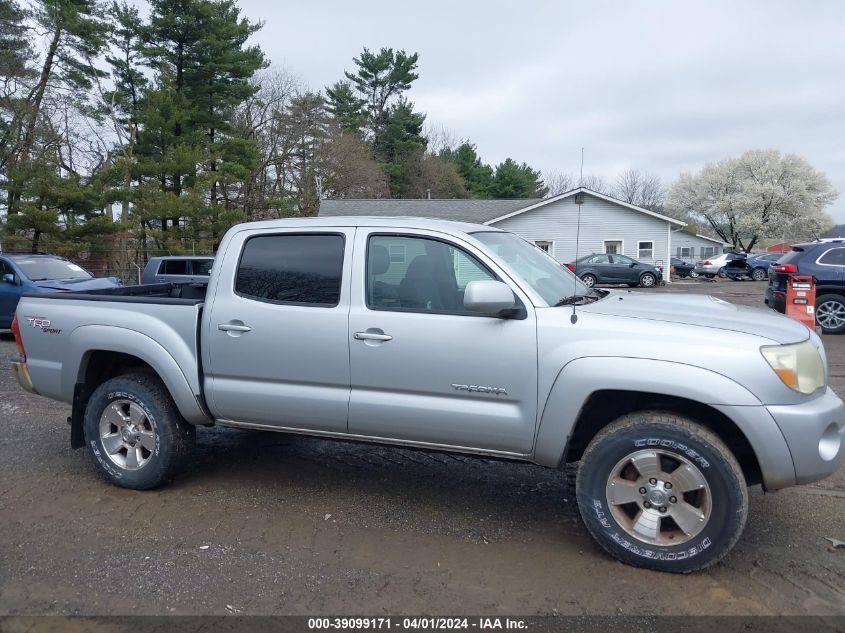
x,y
699,246
600,220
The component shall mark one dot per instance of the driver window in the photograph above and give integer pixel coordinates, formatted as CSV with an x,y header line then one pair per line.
x,y
419,275
622,259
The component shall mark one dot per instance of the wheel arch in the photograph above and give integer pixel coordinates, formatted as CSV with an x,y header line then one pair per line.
x,y
577,408
104,352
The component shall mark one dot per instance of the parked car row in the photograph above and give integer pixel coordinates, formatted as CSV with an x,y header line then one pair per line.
x,y
758,265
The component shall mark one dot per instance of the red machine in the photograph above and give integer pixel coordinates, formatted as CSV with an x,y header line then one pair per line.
x,y
801,300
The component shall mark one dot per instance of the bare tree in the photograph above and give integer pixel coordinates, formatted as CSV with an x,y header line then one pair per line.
x,y
641,189
559,182
596,183
440,138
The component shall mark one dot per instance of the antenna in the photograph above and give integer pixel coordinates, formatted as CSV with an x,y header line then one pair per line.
x,y
581,177
579,200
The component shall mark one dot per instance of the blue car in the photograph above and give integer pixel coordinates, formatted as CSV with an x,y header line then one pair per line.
x,y
759,264
21,273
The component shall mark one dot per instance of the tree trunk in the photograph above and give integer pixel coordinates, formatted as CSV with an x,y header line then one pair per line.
x,y
37,96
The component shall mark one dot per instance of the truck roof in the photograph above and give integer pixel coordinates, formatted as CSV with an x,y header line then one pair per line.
x,y
405,222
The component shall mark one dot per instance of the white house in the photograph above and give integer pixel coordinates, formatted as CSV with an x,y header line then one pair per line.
x,y
607,225
692,246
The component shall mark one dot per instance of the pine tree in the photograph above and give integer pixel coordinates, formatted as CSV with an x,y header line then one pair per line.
x,y
478,176
517,181
76,33
346,106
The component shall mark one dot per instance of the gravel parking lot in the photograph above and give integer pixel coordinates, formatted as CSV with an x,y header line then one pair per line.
x,y
266,523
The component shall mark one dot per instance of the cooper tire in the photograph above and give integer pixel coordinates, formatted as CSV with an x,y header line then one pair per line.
x,y
134,433
720,495
722,272
830,313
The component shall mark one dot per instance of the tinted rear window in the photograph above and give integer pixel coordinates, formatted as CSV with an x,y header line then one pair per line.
x,y
792,256
202,266
300,269
173,267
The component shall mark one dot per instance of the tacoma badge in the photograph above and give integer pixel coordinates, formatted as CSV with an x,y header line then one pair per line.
x,y
480,389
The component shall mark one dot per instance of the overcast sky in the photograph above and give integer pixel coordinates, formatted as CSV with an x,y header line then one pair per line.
x,y
662,86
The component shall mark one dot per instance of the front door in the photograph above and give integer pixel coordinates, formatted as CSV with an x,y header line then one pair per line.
x,y
425,370
275,348
624,269
10,294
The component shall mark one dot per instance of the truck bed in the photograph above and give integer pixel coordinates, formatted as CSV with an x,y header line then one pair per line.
x,y
166,293
156,323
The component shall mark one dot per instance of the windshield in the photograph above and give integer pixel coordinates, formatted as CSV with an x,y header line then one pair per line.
x,y
44,268
547,277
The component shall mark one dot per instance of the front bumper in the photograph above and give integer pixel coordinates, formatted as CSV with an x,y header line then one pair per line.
x,y
815,434
22,374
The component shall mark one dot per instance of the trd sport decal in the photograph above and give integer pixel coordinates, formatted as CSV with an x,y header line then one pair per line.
x,y
42,324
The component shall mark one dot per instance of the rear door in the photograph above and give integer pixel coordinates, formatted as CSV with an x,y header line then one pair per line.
x,y
424,369
829,268
602,266
275,339
173,270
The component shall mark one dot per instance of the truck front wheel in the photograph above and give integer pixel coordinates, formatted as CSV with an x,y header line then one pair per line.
x,y
134,432
657,490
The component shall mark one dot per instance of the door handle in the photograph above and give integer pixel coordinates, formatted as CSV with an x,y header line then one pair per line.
x,y
371,336
232,327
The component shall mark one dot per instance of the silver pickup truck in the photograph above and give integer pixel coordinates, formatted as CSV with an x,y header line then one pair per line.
x,y
450,337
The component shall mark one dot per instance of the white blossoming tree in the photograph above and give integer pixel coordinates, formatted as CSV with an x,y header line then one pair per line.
x,y
762,194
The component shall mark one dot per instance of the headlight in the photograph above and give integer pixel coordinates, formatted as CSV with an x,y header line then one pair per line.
x,y
799,366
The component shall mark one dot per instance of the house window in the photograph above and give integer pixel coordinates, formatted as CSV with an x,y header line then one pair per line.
x,y
613,247
397,253
708,251
685,252
645,250
544,245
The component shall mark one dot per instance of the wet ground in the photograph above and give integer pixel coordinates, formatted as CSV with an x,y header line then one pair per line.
x,y
272,524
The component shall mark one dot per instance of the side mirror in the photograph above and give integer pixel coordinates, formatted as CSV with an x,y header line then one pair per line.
x,y
488,297
9,278
632,264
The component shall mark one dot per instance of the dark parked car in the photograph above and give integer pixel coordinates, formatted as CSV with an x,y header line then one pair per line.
x,y
20,273
759,264
173,268
611,268
682,268
825,262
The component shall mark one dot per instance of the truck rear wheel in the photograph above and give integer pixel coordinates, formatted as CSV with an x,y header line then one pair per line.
x,y
657,490
134,432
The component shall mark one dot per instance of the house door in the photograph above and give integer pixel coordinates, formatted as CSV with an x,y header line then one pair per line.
x,y
614,247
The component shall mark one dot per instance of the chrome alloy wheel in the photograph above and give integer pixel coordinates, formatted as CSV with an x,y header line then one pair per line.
x,y
127,434
659,497
830,315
